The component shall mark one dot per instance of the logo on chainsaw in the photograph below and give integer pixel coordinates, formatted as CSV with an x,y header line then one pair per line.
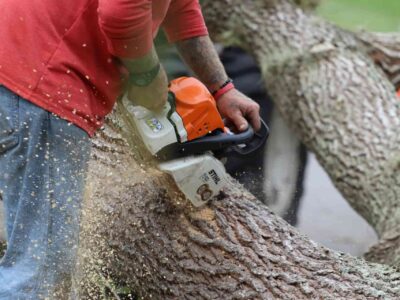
x,y
154,124
214,176
204,192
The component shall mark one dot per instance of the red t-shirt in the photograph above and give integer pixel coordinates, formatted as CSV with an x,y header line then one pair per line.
x,y
60,54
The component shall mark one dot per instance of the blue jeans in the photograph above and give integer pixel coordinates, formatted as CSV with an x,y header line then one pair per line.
x,y
43,161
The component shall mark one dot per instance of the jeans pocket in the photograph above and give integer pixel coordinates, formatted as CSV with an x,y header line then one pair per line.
x,y
9,122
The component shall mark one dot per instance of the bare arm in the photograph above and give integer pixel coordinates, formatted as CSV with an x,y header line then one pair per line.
x,y
128,29
200,55
154,94
141,64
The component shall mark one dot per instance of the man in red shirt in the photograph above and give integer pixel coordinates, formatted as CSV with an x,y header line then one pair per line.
x,y
62,66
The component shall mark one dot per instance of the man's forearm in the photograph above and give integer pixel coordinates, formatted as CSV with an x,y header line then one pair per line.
x,y
200,55
141,64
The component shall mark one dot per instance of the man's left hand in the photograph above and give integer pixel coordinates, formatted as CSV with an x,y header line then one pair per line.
x,y
239,109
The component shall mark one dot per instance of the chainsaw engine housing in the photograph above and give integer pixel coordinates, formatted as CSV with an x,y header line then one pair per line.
x,y
186,134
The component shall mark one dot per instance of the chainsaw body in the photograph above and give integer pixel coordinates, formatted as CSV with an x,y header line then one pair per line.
x,y
188,135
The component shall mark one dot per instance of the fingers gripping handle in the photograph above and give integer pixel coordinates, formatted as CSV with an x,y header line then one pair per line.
x,y
254,144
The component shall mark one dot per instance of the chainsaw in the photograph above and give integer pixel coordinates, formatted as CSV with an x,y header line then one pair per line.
x,y
190,140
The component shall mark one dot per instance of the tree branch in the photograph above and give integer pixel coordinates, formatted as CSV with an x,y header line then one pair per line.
x,y
384,48
341,106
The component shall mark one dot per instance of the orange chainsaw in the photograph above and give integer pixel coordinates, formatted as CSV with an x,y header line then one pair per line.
x,y
189,138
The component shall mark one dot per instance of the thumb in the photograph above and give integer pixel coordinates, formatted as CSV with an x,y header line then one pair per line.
x,y
239,121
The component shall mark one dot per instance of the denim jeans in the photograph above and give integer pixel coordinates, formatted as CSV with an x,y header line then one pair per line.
x,y
43,161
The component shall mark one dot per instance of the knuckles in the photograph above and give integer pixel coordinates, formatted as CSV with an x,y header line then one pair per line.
x,y
256,106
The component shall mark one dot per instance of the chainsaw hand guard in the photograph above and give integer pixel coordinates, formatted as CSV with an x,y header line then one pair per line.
x,y
255,144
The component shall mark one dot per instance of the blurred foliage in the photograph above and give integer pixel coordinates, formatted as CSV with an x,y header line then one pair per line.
x,y
373,15
308,4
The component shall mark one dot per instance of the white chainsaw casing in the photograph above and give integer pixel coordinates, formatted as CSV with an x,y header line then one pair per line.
x,y
155,129
199,177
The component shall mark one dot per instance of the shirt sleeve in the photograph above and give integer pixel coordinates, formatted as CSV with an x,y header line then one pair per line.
x,y
184,20
127,26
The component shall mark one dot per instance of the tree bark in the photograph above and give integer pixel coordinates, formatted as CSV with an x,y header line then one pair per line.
x,y
140,231
384,48
336,99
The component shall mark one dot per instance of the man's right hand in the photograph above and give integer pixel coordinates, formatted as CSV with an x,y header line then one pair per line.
x,y
153,96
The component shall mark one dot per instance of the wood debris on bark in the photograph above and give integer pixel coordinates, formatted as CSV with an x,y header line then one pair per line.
x,y
139,231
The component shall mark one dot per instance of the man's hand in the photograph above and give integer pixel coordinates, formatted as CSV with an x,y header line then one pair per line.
x,y
200,55
238,108
153,96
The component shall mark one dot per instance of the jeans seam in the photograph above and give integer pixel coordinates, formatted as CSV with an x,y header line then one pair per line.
x,y
43,267
16,112
13,137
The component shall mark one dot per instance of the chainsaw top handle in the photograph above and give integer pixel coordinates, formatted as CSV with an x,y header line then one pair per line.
x,y
218,141
239,144
221,143
199,126
254,144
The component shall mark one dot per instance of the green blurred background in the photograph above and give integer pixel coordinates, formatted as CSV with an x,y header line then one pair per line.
x,y
373,15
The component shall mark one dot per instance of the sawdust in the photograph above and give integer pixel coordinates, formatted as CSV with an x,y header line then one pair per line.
x,y
207,214
119,177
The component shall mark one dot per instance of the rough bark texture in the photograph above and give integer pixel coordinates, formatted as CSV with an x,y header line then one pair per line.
x,y
340,104
384,48
140,231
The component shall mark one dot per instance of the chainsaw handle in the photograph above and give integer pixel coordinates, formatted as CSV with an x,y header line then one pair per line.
x,y
218,141
254,144
240,144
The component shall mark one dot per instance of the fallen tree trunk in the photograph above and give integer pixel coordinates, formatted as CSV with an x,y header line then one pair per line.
x,y
336,99
140,231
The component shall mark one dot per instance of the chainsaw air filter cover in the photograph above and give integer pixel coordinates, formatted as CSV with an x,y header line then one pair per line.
x,y
189,114
196,107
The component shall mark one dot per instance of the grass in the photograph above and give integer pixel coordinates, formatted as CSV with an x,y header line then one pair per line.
x,y
373,15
